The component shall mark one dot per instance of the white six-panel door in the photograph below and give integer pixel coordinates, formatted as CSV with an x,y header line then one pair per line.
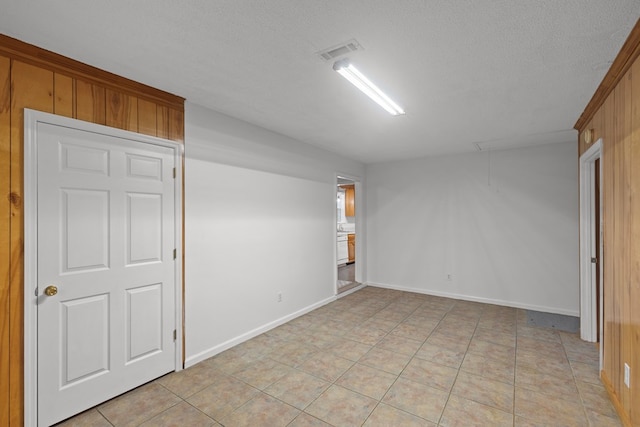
x,y
105,254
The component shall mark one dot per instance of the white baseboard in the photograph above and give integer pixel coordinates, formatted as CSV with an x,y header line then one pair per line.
x,y
513,304
192,360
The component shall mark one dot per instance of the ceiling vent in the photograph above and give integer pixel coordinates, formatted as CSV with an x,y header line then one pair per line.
x,y
340,50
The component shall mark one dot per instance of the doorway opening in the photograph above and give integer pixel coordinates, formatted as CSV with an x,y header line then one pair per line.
x,y
346,237
591,250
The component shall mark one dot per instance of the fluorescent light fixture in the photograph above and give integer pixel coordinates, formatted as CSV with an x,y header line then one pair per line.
x,y
356,78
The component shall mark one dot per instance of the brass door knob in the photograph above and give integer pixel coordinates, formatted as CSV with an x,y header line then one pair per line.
x,y
50,290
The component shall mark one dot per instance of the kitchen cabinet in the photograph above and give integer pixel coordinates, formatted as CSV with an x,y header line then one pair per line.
x,y
349,200
351,245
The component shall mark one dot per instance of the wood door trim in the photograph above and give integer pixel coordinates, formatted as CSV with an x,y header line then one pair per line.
x,y
628,53
588,310
25,52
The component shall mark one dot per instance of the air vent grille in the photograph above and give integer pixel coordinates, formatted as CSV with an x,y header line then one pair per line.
x,y
339,50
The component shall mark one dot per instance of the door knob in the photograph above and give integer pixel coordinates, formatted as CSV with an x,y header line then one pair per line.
x,y
50,290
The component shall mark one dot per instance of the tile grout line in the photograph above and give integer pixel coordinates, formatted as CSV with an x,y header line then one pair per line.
x,y
334,382
407,364
182,400
368,314
575,382
458,372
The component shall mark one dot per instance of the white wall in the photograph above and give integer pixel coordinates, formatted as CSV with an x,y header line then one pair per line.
x,y
259,220
503,224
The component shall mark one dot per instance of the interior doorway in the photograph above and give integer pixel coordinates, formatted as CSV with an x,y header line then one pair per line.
x,y
347,247
591,250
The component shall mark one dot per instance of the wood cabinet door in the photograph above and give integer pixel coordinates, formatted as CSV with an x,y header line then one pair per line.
x,y
351,244
350,200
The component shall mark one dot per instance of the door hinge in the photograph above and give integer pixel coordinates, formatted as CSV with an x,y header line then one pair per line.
x,y
594,260
175,253
175,334
36,291
174,172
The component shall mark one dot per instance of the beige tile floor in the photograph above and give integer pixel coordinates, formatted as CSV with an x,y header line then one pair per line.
x,y
380,357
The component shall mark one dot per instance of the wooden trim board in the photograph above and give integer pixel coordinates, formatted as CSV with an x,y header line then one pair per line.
x,y
16,49
628,53
33,78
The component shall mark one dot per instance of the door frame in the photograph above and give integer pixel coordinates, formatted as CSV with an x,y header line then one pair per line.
x,y
31,120
588,327
360,239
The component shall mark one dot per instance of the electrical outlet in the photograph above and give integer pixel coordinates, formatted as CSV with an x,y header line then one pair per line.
x,y
279,296
627,375
449,276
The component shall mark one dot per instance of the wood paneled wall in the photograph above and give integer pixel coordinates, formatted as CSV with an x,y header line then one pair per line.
x,y
614,115
37,79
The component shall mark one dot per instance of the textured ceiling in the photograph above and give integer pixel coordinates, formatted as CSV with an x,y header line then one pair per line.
x,y
470,74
